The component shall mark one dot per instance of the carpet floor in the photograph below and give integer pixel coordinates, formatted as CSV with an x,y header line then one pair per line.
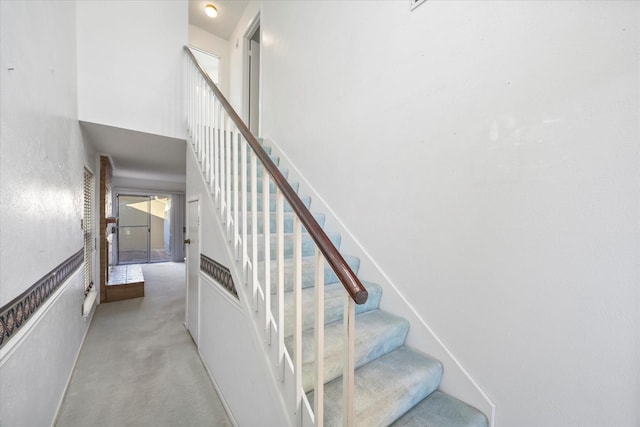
x,y
139,366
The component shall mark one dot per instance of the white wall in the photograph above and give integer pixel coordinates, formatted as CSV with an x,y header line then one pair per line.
x,y
497,144
130,65
41,189
229,344
215,45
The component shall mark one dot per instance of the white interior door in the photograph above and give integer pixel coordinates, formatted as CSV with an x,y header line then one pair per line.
x,y
193,269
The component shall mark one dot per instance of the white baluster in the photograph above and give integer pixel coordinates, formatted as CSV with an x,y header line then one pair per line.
x,y
199,128
207,141
203,121
212,135
217,151
195,115
266,231
223,172
243,184
230,136
319,338
193,104
210,118
254,228
348,363
236,189
188,97
280,233
297,289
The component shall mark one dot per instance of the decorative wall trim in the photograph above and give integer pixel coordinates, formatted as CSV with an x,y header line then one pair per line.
x,y
219,273
14,314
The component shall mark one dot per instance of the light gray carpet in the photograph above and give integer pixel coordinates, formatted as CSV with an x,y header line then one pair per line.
x,y
139,366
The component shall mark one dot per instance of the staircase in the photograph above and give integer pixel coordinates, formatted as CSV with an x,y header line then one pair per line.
x,y
390,383
394,384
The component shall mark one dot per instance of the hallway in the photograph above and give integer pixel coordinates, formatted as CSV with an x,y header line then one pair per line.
x,y
139,366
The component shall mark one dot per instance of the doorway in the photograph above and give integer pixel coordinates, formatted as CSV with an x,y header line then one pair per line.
x,y
252,83
144,229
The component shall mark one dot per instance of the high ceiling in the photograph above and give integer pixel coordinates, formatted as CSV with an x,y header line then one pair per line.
x,y
151,157
229,13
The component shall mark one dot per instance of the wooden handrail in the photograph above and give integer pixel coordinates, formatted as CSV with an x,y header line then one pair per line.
x,y
344,273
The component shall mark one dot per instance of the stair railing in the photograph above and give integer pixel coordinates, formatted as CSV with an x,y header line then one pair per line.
x,y
223,145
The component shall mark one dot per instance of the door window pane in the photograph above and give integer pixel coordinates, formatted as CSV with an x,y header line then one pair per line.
x,y
144,229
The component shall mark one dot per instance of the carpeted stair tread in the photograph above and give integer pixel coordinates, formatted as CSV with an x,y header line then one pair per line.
x,y
308,272
441,410
376,333
333,305
385,388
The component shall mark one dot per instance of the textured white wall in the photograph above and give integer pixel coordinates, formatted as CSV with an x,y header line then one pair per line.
x,y
41,181
130,64
497,144
41,152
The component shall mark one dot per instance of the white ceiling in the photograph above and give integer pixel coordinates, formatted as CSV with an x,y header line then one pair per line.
x,y
229,13
137,154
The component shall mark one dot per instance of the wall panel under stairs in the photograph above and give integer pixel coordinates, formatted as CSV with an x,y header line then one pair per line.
x,y
228,342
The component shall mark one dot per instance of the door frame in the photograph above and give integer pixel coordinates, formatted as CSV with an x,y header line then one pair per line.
x,y
188,296
246,41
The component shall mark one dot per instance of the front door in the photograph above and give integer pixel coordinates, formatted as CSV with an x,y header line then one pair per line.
x,y
193,269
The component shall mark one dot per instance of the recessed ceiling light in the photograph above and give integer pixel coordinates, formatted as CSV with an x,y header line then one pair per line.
x,y
211,11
